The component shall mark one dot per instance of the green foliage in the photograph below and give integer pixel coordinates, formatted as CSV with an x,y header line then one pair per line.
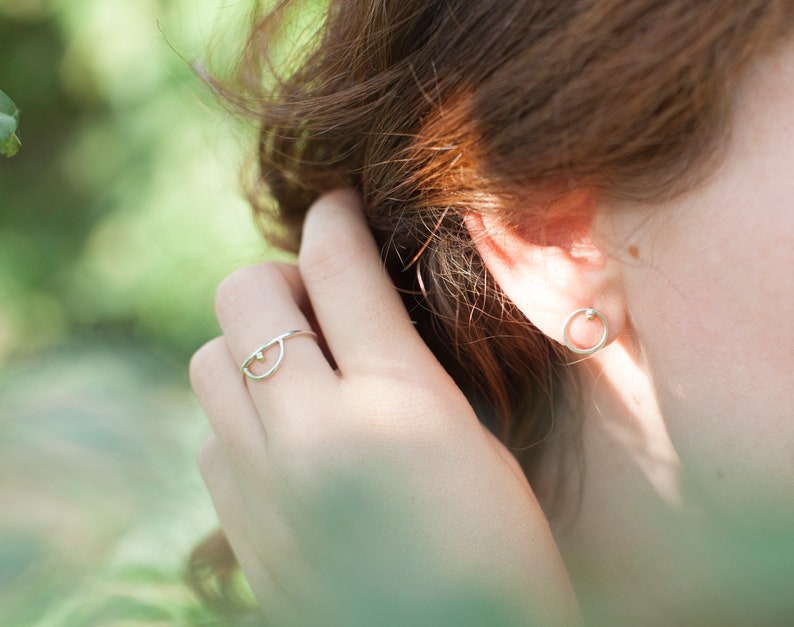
x,y
9,122
122,213
117,221
102,498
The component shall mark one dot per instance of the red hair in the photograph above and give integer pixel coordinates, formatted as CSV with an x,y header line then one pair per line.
x,y
434,109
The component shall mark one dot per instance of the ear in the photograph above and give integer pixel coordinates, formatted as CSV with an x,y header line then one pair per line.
x,y
553,271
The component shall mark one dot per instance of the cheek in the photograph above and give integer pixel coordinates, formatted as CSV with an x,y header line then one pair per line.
x,y
714,312
712,300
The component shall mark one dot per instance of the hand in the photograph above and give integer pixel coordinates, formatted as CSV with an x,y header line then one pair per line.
x,y
365,491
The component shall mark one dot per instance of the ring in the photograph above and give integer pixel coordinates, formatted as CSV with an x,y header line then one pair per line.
x,y
259,355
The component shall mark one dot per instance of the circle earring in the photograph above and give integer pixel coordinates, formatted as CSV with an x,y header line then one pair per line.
x,y
589,313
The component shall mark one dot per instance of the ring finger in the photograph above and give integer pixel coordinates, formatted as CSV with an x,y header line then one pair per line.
x,y
256,305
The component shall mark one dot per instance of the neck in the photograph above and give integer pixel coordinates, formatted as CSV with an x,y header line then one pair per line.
x,y
622,413
640,544
629,491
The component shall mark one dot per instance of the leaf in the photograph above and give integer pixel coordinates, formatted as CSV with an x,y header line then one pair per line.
x,y
9,121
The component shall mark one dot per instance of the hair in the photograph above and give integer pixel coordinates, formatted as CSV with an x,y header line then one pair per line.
x,y
436,109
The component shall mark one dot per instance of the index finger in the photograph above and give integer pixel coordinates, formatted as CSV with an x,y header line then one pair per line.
x,y
361,314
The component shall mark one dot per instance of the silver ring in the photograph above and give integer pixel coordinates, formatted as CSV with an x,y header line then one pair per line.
x,y
259,355
589,313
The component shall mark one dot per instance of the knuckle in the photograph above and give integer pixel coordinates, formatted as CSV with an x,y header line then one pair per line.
x,y
203,364
237,286
230,291
417,424
208,457
332,255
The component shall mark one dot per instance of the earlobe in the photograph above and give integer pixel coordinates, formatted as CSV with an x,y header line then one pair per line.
x,y
562,281
590,314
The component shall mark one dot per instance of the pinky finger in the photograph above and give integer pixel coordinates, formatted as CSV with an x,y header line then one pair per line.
x,y
234,511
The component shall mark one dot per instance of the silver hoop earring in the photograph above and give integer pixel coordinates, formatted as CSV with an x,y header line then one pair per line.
x,y
589,313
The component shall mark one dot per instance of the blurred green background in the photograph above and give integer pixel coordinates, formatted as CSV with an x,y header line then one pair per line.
x,y
118,218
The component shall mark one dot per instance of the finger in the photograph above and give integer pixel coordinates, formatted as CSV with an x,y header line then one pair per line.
x,y
227,404
234,512
362,317
257,304
219,476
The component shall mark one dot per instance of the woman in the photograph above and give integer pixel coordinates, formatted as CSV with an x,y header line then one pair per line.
x,y
586,210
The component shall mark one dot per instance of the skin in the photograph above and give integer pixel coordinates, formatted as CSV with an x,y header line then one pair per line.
x,y
711,306
361,493
688,437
